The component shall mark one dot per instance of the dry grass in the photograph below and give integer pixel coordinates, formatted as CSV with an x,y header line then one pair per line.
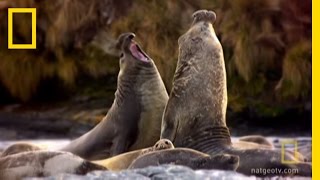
x,y
296,77
64,29
266,44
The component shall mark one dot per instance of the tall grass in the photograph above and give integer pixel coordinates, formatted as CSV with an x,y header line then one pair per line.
x,y
63,29
266,44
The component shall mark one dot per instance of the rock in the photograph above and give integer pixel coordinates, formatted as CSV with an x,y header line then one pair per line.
x,y
173,172
168,172
115,175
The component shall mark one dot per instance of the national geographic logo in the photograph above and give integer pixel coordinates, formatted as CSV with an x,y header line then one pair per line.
x,y
286,145
33,12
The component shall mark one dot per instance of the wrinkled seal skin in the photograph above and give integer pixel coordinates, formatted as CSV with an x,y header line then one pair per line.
x,y
134,120
195,114
42,164
187,157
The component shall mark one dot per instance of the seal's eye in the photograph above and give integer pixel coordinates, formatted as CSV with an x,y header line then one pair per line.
x,y
121,55
167,142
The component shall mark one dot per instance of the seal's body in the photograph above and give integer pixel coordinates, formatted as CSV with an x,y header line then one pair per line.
x,y
124,160
121,161
18,148
43,163
191,103
195,114
258,140
187,157
134,120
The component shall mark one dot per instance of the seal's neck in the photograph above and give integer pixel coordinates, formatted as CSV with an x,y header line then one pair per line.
x,y
124,91
130,81
209,140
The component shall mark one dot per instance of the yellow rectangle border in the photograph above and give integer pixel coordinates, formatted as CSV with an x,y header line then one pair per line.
x,y
295,152
33,12
315,89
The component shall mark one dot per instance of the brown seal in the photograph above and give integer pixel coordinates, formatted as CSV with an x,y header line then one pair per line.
x,y
252,142
195,116
123,161
134,119
258,139
18,148
187,157
42,164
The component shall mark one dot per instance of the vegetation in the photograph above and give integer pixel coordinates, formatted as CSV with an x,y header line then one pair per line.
x,y
267,47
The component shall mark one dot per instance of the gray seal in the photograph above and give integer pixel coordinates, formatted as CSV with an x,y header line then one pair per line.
x,y
187,157
18,148
195,116
134,119
42,164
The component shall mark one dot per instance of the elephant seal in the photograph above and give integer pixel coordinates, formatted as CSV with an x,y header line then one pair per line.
x,y
42,164
18,148
123,161
195,115
187,157
134,119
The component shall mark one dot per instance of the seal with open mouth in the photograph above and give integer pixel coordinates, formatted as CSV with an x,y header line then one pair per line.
x,y
134,119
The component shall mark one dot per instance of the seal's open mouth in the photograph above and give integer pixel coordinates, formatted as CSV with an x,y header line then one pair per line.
x,y
138,53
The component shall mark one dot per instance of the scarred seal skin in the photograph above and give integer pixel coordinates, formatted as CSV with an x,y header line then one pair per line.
x,y
134,119
195,115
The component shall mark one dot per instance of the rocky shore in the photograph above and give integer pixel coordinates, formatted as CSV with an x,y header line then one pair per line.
x,y
167,172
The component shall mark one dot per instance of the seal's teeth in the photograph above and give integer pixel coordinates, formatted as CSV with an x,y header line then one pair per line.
x,y
204,15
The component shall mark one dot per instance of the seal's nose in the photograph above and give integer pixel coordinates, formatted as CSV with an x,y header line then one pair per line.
x,y
131,35
124,38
